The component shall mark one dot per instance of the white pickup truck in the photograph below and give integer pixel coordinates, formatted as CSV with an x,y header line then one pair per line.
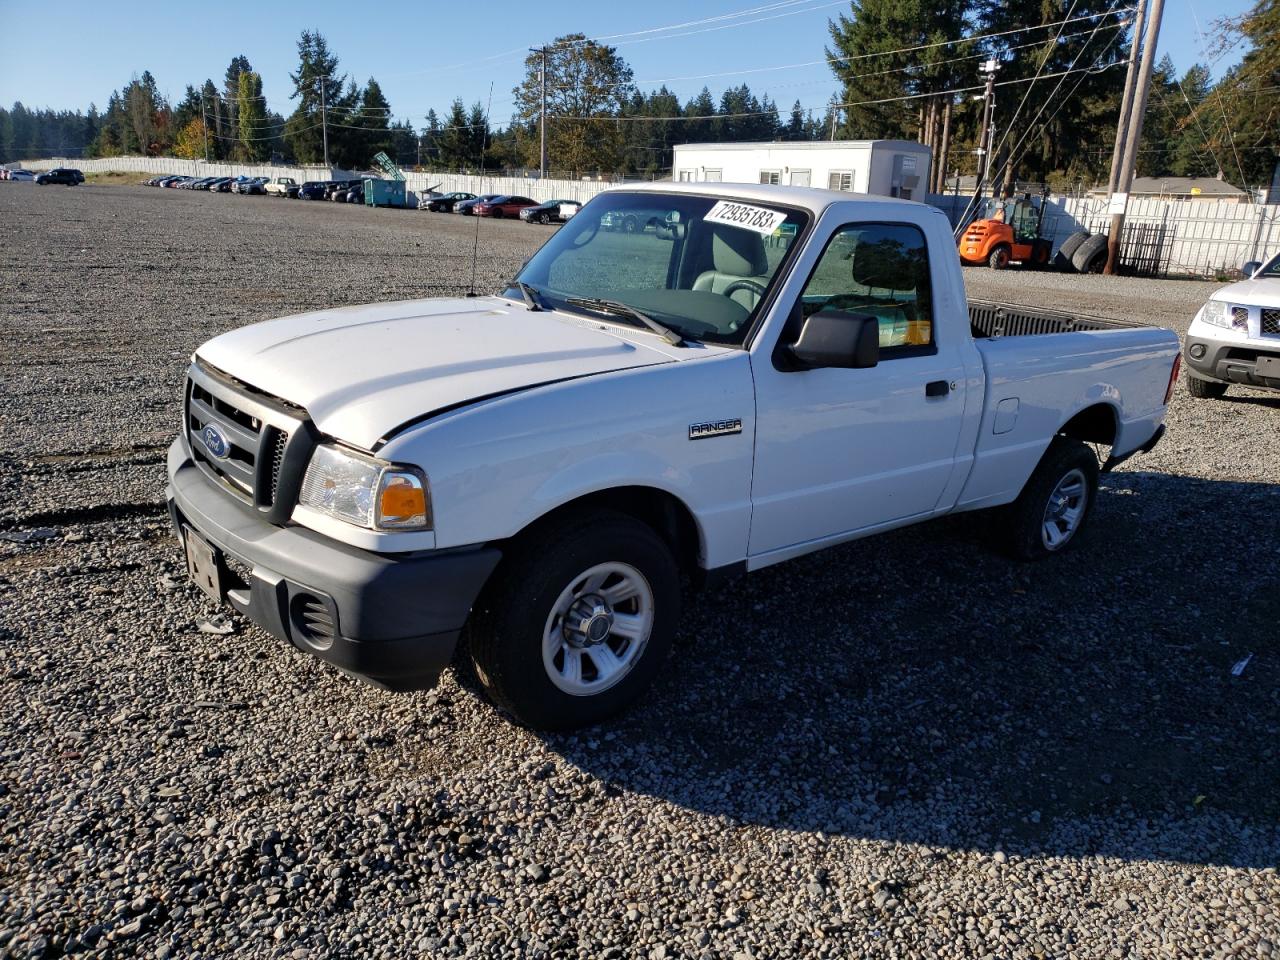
x,y
281,187
1235,337
759,373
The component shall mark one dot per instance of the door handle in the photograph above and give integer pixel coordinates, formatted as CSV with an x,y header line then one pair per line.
x,y
937,388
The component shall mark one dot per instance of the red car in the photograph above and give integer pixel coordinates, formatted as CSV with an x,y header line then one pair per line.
x,y
502,207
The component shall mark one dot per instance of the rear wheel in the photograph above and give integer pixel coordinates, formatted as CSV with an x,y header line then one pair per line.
x,y
999,258
1055,503
1205,389
578,622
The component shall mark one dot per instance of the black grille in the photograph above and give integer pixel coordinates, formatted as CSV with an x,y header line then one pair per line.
x,y
277,461
1271,321
1240,318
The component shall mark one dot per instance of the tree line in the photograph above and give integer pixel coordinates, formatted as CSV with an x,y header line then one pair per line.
x,y
903,69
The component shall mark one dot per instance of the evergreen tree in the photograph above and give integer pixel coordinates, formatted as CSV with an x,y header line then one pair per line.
x,y
317,72
454,141
702,106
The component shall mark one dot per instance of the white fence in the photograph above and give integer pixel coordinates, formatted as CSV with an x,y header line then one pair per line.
x,y
1198,237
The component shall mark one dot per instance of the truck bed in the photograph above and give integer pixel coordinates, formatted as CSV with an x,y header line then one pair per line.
x,y
990,320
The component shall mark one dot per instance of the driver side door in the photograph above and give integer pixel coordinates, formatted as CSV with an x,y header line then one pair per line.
x,y
841,450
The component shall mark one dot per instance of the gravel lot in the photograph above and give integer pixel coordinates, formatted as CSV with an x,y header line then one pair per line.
x,y
903,747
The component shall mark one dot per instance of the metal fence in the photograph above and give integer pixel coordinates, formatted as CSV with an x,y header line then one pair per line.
x,y
1199,237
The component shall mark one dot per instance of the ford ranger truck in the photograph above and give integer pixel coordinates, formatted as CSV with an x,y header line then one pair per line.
x,y
1235,337
769,372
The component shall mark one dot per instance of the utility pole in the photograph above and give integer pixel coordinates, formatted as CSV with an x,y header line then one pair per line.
x,y
542,113
1126,100
987,138
324,121
940,175
1133,135
204,125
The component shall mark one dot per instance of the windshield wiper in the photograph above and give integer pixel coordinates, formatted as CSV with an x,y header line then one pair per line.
x,y
626,310
532,298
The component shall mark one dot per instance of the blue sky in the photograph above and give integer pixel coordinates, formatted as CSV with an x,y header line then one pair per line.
x,y
425,54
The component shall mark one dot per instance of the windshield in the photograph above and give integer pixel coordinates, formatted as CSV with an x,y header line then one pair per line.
x,y
1271,268
699,265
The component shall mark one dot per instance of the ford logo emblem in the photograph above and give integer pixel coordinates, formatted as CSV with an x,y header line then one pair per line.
x,y
215,442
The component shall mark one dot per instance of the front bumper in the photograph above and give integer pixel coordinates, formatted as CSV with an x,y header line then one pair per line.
x,y
1232,361
396,617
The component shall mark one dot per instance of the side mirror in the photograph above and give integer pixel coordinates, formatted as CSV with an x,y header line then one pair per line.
x,y
1252,267
837,338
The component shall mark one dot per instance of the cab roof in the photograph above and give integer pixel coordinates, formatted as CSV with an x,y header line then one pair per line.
x,y
813,199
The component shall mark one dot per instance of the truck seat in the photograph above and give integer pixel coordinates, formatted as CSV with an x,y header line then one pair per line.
x,y
736,254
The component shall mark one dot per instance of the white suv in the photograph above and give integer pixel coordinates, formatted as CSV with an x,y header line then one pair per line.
x,y
1235,337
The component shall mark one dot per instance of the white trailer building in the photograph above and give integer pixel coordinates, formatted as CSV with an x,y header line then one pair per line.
x,y
890,168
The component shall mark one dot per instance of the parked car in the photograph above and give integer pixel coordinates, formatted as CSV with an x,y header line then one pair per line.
x,y
505,206
250,185
66,176
546,483
224,185
21,176
171,182
339,192
633,221
553,211
215,183
1235,337
466,207
444,202
355,194
281,187
312,190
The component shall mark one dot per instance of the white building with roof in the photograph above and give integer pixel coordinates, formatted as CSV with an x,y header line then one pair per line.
x,y
888,168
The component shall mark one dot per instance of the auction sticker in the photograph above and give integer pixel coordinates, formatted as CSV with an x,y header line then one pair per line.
x,y
760,219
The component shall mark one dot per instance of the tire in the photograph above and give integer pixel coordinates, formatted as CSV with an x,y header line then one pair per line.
x,y
544,218
1205,389
1090,256
631,225
999,258
1069,467
517,637
1040,251
497,213
1068,249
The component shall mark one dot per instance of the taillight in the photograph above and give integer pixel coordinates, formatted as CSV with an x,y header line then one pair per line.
x,y
1173,378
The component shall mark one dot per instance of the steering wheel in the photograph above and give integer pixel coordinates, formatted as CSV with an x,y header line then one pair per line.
x,y
753,286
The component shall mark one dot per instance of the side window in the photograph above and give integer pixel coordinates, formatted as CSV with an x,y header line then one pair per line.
x,y
773,177
881,269
840,180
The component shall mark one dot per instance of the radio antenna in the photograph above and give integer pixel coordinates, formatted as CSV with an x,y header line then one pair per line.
x,y
484,146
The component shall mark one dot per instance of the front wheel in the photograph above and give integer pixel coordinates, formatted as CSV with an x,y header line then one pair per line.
x,y
544,218
578,622
1055,503
1205,389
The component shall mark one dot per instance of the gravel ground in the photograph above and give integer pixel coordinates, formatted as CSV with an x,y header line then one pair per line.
x,y
957,756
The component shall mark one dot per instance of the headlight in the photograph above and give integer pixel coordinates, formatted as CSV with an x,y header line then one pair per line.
x,y
1217,313
366,492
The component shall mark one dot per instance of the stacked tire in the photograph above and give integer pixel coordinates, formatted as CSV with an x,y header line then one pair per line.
x,y
1082,252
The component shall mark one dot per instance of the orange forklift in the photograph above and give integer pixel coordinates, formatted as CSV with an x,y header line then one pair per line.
x,y
1007,231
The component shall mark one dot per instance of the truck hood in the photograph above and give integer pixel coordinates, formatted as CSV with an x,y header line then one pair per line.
x,y
1262,292
362,372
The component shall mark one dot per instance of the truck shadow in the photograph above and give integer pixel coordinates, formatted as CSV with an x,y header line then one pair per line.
x,y
919,688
